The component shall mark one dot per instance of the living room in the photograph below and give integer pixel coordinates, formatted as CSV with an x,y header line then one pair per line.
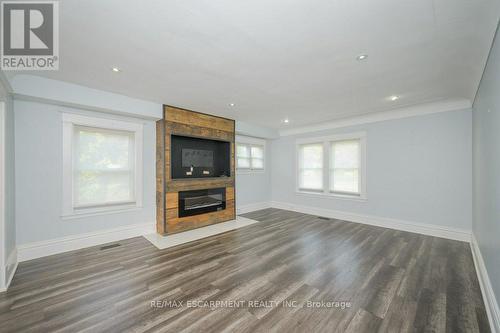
x,y
262,166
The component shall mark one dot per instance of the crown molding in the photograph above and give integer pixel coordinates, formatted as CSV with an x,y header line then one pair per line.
x,y
406,112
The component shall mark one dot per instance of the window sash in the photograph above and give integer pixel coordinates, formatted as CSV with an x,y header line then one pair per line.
x,y
105,174
251,162
350,165
304,170
343,178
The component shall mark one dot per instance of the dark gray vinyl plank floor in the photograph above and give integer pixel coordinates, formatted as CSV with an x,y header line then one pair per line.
x,y
290,273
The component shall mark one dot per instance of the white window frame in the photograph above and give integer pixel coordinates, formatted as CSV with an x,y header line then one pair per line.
x,y
71,120
3,134
250,141
326,141
310,190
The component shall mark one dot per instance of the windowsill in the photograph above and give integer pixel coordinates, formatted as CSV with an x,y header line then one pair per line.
x,y
250,172
89,212
361,198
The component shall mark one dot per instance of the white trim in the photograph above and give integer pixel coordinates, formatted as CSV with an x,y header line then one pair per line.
x,y
69,243
298,145
419,228
243,172
326,141
102,122
252,207
333,137
3,282
69,121
106,211
332,195
5,87
406,112
250,141
489,299
11,267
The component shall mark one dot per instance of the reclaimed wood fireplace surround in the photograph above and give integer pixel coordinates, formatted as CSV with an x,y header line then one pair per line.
x,y
186,123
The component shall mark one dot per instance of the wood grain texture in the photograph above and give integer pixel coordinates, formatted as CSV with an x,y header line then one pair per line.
x,y
172,200
395,281
199,132
160,177
188,123
199,184
187,117
229,193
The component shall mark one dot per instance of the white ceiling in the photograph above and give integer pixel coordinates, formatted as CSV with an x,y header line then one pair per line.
x,y
278,58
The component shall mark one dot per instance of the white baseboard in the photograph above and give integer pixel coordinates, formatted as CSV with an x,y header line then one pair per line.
x,y
69,243
10,269
419,228
489,298
252,207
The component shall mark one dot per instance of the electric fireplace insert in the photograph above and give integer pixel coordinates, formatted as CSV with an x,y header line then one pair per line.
x,y
201,201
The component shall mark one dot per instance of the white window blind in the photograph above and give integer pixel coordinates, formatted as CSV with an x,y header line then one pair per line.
x,y
311,167
345,166
257,153
242,156
249,156
103,167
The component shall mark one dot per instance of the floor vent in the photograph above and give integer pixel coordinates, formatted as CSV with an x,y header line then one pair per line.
x,y
110,246
323,218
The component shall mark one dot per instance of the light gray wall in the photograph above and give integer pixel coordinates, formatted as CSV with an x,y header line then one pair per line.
x,y
254,188
9,233
419,170
244,128
486,148
38,152
40,88
10,217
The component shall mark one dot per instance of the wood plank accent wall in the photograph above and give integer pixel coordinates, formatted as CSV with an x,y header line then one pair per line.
x,y
189,123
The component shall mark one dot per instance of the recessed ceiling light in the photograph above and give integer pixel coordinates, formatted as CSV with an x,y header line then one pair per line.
x,y
362,57
232,104
394,98
286,121
116,69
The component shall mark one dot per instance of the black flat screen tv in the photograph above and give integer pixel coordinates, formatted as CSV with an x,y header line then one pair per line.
x,y
199,158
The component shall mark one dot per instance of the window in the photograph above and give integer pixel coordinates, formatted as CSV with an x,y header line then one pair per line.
x,y
250,154
344,166
311,167
102,164
344,158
